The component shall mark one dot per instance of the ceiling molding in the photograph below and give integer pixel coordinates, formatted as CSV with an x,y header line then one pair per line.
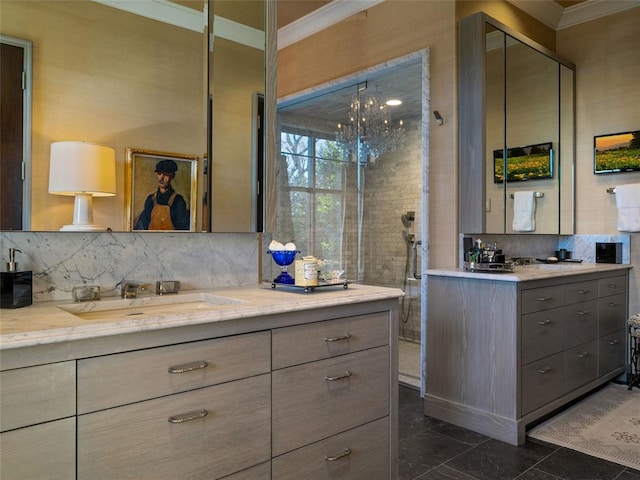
x,y
556,17
320,19
161,10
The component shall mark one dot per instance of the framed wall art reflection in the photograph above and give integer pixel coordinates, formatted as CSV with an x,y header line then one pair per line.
x,y
160,190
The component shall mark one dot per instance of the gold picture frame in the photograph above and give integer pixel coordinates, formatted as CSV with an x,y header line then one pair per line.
x,y
143,192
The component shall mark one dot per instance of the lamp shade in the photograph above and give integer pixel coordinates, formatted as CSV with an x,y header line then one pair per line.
x,y
82,167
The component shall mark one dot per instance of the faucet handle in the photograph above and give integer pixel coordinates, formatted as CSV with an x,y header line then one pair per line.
x,y
167,286
130,289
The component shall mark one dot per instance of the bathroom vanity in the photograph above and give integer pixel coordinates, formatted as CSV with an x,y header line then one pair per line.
x,y
504,350
271,384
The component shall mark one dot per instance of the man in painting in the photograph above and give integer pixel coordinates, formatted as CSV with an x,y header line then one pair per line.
x,y
164,209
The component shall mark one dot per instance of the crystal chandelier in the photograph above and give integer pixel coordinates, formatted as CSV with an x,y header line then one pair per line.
x,y
370,124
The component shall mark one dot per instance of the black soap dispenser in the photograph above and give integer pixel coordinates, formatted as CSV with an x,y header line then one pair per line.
x,y
17,287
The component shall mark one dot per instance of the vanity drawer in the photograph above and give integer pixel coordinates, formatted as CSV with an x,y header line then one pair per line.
x,y
358,454
37,394
40,452
109,381
611,351
316,341
316,400
580,323
543,298
542,382
580,292
581,365
148,440
612,314
542,334
612,286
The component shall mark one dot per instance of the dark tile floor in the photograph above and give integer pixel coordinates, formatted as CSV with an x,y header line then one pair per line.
x,y
435,450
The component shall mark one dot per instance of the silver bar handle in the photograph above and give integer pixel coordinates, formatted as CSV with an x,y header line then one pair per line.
x,y
544,299
346,374
345,336
188,367
544,322
583,312
187,417
583,355
583,292
544,371
345,453
613,304
614,342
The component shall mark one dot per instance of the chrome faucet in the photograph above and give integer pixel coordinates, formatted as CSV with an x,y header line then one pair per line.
x,y
130,289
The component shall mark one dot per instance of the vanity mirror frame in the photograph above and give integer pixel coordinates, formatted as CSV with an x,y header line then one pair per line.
x,y
472,134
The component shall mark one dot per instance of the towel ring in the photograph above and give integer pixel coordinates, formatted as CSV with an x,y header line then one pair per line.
x,y
535,194
611,190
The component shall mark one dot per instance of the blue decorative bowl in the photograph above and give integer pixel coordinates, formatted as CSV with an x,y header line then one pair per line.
x,y
284,258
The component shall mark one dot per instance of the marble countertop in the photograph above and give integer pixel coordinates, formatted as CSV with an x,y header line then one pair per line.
x,y
537,271
53,322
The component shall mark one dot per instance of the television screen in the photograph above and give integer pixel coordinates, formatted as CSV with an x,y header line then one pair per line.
x,y
617,153
531,162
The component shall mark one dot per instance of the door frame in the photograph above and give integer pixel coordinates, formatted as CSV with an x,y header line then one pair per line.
x,y
27,47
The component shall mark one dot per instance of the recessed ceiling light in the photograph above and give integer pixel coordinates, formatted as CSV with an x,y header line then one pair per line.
x,y
393,102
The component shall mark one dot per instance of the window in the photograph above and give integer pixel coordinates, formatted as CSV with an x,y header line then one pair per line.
x,y
316,182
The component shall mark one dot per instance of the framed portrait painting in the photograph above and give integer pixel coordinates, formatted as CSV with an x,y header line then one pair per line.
x,y
161,190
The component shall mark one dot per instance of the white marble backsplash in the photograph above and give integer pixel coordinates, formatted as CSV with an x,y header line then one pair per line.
x,y
542,246
60,260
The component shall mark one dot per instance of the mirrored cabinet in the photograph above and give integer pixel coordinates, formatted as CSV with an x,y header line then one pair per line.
x,y
516,133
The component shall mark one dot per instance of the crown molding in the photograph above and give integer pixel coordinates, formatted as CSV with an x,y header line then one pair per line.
x,y
163,11
320,19
556,17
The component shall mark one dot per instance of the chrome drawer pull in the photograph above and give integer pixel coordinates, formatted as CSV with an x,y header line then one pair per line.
x,y
613,304
544,299
614,342
346,336
187,417
189,367
544,322
544,371
345,453
582,292
346,374
612,285
583,312
583,355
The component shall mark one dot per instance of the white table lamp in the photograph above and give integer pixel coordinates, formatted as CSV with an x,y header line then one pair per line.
x,y
84,170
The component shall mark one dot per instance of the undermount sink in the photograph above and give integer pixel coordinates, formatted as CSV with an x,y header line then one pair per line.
x,y
149,306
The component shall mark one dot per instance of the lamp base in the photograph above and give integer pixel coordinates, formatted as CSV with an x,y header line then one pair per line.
x,y
84,228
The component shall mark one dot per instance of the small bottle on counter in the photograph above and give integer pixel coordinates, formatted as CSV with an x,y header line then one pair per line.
x,y
306,272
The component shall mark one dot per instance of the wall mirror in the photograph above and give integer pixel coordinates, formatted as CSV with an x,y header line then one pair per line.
x,y
184,77
516,131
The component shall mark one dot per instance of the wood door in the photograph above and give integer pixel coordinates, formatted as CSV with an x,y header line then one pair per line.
x,y
11,146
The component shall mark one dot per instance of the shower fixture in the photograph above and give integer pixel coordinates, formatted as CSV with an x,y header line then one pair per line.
x,y
408,219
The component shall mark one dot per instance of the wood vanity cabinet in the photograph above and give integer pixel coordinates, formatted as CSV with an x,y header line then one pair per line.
x,y
37,422
331,398
502,354
303,394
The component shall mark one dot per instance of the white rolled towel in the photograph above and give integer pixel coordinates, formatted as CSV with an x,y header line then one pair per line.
x,y
628,203
524,211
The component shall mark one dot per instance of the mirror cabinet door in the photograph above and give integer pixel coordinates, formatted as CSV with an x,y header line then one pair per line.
x,y
495,130
532,136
